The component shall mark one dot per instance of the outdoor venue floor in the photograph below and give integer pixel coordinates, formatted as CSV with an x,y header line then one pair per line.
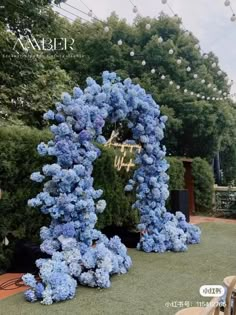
x,y
153,282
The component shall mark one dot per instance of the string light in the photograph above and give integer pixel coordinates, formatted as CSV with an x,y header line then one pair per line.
x,y
227,3
132,53
106,29
178,61
119,42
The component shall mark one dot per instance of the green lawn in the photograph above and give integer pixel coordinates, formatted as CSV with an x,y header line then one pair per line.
x,y
154,280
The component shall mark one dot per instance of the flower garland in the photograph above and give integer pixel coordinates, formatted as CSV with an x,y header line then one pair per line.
x,y
80,253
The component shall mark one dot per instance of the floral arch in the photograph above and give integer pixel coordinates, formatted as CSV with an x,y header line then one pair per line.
x,y
80,253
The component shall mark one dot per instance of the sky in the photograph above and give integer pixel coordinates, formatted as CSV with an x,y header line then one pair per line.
x,y
208,20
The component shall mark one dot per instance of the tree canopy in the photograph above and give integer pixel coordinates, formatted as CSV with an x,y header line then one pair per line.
x,y
30,85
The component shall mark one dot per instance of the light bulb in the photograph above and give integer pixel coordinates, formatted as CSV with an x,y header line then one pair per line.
x,y
153,71
191,93
90,13
233,18
205,56
163,77
176,17
135,9
143,62
119,42
106,29
179,61
188,69
195,76
163,1
219,72
132,53
214,89
171,83
209,85
203,81
177,87
213,65
196,46
160,40
171,51
148,26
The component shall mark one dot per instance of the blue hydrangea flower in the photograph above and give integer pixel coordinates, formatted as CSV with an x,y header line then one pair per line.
x,y
79,253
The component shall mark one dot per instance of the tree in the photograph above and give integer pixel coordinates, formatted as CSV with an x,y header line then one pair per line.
x,y
30,82
23,17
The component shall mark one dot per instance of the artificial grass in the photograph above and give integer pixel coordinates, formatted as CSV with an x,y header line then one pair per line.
x,y
153,280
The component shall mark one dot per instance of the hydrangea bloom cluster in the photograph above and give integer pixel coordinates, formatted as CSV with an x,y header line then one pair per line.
x,y
80,253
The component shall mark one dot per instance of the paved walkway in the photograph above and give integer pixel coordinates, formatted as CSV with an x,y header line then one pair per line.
x,y
198,219
11,283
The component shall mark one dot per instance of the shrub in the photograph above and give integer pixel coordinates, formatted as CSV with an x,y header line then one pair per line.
x,y
203,184
18,158
176,172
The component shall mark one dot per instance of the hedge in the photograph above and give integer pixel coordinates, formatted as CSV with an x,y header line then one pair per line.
x,y
203,184
19,158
